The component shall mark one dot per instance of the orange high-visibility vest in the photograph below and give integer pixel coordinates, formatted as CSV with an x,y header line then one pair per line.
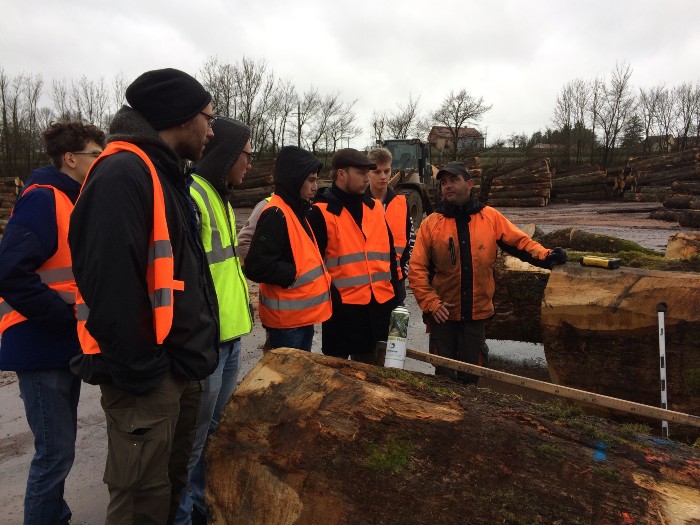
x,y
308,300
359,261
395,215
160,274
57,270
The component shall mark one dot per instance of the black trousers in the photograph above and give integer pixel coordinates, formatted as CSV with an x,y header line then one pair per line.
x,y
460,340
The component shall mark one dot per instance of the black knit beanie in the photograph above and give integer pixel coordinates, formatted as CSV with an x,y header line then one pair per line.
x,y
167,97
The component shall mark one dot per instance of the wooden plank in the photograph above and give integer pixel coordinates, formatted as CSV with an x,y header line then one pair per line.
x,y
575,394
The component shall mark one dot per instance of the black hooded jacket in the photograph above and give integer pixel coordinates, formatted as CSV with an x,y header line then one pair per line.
x,y
109,238
269,258
222,152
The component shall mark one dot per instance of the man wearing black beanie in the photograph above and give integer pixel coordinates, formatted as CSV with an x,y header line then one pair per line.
x,y
147,312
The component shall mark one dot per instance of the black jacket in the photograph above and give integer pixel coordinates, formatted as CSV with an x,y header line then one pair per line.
x,y
353,328
109,240
269,258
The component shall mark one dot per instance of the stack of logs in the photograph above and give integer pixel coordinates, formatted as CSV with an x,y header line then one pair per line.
x,y
474,167
683,205
525,183
586,182
257,185
9,189
650,178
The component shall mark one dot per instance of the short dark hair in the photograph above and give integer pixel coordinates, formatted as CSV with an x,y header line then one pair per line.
x,y
65,136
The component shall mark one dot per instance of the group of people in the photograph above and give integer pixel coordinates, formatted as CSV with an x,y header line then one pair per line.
x,y
121,267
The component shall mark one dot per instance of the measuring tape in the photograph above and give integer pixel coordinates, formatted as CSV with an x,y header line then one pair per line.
x,y
622,405
661,310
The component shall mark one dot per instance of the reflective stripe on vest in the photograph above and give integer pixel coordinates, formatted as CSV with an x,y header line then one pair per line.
x,y
56,272
395,215
307,301
160,273
359,261
218,231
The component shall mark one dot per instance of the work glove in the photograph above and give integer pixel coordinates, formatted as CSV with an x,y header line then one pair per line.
x,y
557,256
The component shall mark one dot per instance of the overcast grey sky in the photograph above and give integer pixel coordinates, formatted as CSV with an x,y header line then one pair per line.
x,y
516,54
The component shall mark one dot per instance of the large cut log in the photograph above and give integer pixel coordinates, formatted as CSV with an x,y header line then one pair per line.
x,y
687,219
523,191
257,182
571,195
10,182
682,202
600,333
546,185
517,300
583,241
308,439
587,179
526,202
683,245
685,187
527,178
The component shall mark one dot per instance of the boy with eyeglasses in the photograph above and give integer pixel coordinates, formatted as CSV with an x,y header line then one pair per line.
x,y
37,313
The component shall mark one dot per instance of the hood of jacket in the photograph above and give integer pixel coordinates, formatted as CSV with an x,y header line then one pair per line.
x,y
222,151
129,125
50,176
292,167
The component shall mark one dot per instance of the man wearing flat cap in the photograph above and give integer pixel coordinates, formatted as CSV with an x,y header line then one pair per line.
x,y
147,311
358,251
451,268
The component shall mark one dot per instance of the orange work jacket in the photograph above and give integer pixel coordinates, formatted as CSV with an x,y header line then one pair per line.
x,y
359,261
160,274
56,272
308,300
395,214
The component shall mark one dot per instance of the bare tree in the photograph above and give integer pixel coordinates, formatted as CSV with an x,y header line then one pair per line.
x,y
597,99
666,116
617,106
648,108
342,125
687,98
329,108
564,116
456,110
308,107
582,96
402,122
282,107
378,124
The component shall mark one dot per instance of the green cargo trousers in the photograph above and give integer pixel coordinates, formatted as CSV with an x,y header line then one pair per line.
x,y
150,438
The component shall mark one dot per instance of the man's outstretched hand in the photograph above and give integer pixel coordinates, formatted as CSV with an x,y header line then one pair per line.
x,y
557,256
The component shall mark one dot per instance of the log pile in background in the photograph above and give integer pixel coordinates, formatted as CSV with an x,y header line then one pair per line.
x,y
682,205
525,183
587,182
257,185
477,172
650,179
9,189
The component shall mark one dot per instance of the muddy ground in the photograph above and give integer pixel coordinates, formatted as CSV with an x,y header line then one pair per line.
x,y
87,495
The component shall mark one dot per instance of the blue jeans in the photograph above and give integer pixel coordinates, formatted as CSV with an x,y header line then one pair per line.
x,y
217,390
300,338
51,404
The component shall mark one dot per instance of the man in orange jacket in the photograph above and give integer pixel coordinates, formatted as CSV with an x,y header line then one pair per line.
x,y
358,250
451,269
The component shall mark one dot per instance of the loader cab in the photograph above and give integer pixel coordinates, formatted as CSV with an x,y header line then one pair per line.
x,y
412,161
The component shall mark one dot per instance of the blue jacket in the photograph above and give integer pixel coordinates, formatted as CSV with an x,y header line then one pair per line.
x,y
48,340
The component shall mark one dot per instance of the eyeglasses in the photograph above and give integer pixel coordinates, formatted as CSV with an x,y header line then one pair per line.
x,y
251,156
93,153
210,119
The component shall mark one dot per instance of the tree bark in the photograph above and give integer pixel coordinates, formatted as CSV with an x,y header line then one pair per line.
x,y
312,439
600,332
526,202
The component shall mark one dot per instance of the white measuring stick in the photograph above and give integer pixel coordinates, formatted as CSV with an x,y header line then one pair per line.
x,y
661,310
